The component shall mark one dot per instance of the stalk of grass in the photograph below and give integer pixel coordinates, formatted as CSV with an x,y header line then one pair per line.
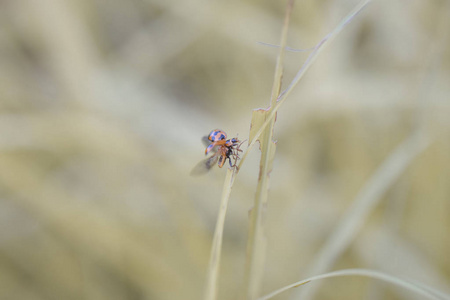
x,y
262,126
214,260
309,61
416,287
260,132
256,243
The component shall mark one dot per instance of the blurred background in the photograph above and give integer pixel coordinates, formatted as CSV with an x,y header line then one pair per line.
x,y
103,107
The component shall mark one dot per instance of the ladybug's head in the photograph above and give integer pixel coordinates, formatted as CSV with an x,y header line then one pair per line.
x,y
231,142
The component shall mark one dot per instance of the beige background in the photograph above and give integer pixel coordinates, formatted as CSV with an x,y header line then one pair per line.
x,y
103,106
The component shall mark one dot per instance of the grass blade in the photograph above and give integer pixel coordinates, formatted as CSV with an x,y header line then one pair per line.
x,y
413,286
214,260
309,61
256,244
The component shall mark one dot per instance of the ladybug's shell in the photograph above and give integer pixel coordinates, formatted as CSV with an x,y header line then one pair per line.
x,y
217,135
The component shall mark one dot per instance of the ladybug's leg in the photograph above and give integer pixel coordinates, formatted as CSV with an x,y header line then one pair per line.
x,y
221,161
209,148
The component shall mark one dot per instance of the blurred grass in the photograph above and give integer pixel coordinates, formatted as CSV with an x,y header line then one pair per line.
x,y
103,107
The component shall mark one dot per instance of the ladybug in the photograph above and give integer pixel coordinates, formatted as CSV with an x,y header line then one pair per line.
x,y
223,149
217,137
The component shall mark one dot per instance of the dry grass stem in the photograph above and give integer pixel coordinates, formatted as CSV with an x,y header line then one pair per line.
x,y
414,286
